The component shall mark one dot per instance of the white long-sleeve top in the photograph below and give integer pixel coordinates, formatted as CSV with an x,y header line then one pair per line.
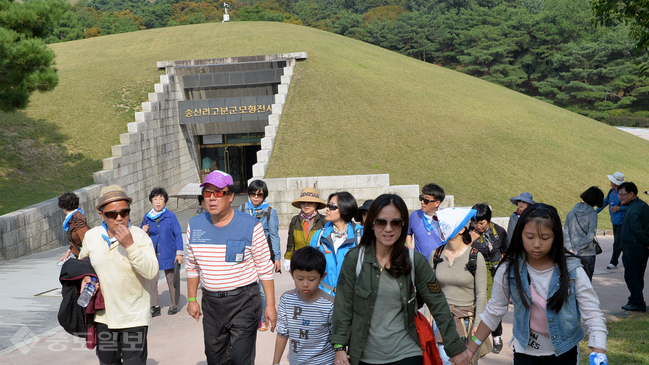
x,y
540,345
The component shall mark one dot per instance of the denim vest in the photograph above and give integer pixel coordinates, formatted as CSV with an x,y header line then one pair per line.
x,y
565,326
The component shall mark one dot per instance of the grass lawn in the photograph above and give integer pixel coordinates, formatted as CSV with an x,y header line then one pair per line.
x,y
628,341
353,108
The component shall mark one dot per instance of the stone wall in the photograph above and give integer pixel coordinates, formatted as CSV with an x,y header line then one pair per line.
x,y
282,191
154,152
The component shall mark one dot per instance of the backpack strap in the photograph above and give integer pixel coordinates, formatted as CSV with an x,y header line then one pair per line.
x,y
437,256
359,262
320,237
473,261
268,215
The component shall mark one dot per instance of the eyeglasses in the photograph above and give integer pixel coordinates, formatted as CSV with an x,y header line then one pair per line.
x,y
426,201
381,223
113,214
218,194
257,195
332,207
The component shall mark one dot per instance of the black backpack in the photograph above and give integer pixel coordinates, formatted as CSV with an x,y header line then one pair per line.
x,y
470,266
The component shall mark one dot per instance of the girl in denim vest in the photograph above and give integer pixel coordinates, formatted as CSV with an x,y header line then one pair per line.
x,y
551,293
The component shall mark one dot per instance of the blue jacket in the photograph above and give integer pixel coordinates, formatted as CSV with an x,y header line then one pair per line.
x,y
612,199
167,238
271,229
565,326
335,261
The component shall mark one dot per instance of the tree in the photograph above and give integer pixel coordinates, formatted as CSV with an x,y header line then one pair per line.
x,y
25,61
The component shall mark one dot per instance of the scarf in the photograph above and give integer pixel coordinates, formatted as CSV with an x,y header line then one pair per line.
x,y
153,215
488,238
308,223
428,224
307,218
253,210
66,223
338,234
104,233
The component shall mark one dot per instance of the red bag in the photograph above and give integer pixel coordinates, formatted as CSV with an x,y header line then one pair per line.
x,y
427,340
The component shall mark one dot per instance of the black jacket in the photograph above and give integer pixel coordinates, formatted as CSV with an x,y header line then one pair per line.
x,y
72,317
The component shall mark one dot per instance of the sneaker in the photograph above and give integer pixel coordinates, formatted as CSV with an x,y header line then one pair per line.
x,y
498,345
155,311
611,266
262,326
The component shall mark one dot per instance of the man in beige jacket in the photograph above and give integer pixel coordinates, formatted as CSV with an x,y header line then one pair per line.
x,y
123,258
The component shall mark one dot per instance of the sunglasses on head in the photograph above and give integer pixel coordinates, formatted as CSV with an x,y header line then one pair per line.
x,y
426,201
113,214
332,207
381,223
218,194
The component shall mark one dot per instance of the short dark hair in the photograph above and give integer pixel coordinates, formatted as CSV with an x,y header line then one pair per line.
x,y
483,212
593,196
309,259
201,199
158,191
629,187
69,201
257,185
346,205
435,191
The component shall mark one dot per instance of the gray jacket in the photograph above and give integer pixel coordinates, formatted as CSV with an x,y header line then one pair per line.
x,y
580,229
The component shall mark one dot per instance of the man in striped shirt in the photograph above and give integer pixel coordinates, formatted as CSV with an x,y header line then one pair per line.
x,y
228,253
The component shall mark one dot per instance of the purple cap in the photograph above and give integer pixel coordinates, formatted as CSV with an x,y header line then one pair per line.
x,y
219,179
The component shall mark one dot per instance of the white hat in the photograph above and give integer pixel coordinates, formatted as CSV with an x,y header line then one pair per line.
x,y
617,178
452,220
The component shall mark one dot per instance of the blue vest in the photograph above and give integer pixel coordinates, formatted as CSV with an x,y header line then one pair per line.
x,y
565,326
237,235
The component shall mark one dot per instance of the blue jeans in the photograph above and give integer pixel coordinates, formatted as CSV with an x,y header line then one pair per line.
x,y
446,360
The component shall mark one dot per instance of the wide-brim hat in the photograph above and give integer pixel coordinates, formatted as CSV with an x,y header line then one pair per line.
x,y
309,195
617,178
524,197
363,208
112,193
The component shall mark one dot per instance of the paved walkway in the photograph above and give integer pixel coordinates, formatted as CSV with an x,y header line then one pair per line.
x,y
29,332
640,132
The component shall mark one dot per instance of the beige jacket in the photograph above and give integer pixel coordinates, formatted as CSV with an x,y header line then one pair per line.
x,y
124,276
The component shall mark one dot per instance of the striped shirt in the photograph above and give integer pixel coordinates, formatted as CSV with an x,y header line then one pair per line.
x,y
226,258
307,325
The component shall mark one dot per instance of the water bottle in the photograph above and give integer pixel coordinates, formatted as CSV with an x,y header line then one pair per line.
x,y
87,293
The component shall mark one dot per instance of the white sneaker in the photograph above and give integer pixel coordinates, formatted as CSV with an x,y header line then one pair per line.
x,y
611,267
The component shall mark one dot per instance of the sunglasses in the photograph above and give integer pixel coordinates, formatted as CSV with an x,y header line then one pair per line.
x,y
218,194
113,214
332,207
257,195
381,223
426,201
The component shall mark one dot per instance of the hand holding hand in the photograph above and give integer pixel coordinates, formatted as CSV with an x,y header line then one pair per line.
x,y
341,358
123,235
463,358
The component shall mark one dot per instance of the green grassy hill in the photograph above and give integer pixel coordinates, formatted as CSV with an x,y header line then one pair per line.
x,y
352,108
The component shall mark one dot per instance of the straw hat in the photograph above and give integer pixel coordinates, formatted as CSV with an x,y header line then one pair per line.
x,y
112,193
309,195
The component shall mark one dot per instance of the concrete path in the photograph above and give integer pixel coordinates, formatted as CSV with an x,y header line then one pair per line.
x,y
640,132
29,331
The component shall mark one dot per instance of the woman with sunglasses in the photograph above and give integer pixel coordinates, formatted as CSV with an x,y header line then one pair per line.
x,y
258,207
163,227
338,236
377,300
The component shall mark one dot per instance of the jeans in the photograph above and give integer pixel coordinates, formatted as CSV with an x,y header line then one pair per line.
x,y
446,360
589,265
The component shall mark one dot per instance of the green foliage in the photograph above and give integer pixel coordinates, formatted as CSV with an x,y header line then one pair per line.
x,y
25,61
257,13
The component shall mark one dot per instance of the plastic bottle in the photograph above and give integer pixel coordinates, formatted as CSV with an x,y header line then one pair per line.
x,y
87,292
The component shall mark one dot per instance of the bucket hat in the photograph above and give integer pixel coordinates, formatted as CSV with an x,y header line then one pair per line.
x,y
524,197
452,220
363,208
219,179
309,195
617,178
112,193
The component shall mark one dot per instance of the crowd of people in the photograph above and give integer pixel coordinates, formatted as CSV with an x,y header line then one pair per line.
x,y
362,275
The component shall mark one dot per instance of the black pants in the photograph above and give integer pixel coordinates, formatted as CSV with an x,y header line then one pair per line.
x,y
635,264
498,331
126,346
567,358
230,327
415,360
617,250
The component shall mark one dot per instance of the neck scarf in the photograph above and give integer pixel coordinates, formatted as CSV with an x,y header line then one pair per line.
x,y
153,215
104,233
66,223
428,222
253,210
338,234
307,218
489,236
